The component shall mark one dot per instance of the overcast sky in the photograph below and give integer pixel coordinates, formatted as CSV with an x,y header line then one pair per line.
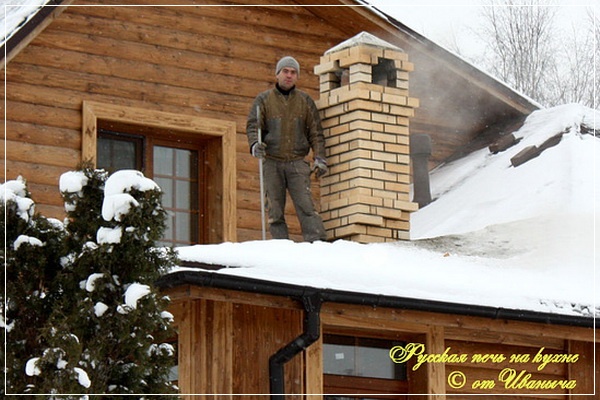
x,y
455,21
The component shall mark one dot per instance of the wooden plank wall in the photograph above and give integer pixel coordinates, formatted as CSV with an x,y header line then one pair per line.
x,y
224,347
490,370
259,332
203,61
255,326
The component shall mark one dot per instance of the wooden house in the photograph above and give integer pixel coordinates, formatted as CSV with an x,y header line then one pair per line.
x,y
165,87
130,76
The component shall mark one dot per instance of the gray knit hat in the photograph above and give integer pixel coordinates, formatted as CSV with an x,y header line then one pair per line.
x,y
289,62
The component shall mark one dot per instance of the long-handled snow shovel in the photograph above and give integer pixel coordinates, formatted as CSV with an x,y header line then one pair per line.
x,y
261,179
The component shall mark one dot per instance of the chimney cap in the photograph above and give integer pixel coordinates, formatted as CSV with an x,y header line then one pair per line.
x,y
363,38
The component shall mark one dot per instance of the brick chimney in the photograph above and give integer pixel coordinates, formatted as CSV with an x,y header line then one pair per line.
x,y
365,110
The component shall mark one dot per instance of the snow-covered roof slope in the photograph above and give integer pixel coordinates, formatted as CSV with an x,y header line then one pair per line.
x,y
483,189
518,238
15,13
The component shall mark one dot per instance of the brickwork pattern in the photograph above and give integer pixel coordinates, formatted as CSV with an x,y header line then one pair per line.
x,y
366,195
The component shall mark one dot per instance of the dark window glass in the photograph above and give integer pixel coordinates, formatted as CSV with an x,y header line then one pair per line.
x,y
117,151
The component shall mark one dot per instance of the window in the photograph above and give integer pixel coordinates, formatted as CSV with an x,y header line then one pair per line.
x,y
176,169
176,172
355,365
134,133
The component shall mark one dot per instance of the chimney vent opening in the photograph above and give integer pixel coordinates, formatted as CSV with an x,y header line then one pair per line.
x,y
384,73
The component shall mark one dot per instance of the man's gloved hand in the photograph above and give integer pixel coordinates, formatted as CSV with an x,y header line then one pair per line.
x,y
259,150
320,167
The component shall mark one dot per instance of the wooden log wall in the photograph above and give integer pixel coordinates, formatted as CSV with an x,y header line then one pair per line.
x,y
201,61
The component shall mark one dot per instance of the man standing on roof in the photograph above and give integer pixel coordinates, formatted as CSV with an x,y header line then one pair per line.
x,y
290,126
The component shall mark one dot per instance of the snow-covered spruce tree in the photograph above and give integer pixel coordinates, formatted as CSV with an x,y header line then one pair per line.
x,y
32,257
108,333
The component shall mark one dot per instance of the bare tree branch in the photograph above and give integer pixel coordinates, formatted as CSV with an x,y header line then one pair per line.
x,y
520,37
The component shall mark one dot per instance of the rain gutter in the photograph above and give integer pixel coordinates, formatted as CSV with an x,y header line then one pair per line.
x,y
224,281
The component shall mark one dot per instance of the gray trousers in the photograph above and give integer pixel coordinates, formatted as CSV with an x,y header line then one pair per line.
x,y
293,176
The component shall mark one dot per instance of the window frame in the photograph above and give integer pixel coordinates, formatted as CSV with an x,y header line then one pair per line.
x,y
220,137
145,150
146,144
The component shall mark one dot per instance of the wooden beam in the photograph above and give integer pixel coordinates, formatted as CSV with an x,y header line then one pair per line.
x,y
159,119
313,374
390,317
505,338
217,320
182,293
436,372
583,370
189,346
341,319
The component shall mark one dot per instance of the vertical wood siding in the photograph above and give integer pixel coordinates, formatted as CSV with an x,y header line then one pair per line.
x,y
255,326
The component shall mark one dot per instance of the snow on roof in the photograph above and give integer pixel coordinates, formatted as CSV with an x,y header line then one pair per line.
x,y
520,238
363,38
15,14
482,189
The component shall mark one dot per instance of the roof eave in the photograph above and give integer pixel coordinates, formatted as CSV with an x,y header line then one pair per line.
x,y
20,39
251,285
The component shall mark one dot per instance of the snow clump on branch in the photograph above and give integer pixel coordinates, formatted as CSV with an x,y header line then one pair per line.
x,y
117,200
15,191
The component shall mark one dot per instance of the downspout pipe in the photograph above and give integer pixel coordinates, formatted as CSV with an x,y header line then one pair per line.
x,y
312,331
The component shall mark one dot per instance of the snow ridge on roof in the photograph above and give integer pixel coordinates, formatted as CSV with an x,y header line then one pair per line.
x,y
363,38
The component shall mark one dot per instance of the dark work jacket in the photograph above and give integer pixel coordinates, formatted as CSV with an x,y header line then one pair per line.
x,y
290,125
